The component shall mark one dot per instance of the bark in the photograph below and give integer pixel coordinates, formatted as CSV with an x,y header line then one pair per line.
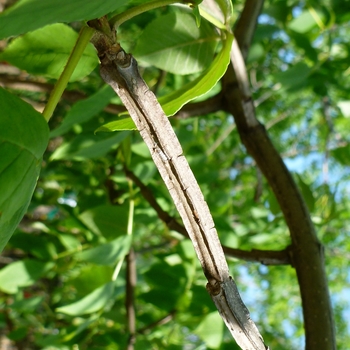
x,y
306,250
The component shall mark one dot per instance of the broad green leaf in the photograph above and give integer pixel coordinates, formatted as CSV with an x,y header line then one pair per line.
x,y
84,110
175,44
91,303
294,76
88,146
27,15
219,13
227,9
342,155
27,305
173,102
69,241
211,330
41,248
22,274
90,278
124,122
23,140
308,20
46,51
108,253
106,220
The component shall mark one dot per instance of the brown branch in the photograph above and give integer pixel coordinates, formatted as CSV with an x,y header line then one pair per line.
x,y
306,249
129,300
246,25
169,220
195,109
157,323
266,257
20,83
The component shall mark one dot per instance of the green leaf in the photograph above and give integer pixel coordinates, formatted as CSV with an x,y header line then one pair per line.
x,y
219,13
307,21
123,122
307,193
163,299
179,47
84,110
27,305
88,146
23,140
107,254
227,10
342,155
91,303
294,76
82,326
173,102
22,274
69,241
211,330
37,245
106,220
46,51
27,15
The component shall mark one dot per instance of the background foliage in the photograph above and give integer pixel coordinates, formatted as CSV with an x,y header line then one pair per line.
x,y
59,281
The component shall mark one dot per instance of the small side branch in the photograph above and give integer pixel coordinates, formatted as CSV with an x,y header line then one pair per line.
x,y
129,301
266,257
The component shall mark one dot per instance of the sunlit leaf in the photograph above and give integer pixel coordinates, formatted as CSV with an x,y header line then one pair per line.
x,y
307,21
211,330
205,82
46,51
22,274
122,123
180,47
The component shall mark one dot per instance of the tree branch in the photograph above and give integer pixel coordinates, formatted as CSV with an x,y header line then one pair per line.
x,y
307,251
157,323
129,301
266,257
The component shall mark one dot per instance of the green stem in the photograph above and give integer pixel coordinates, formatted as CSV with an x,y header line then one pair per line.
x,y
119,19
61,84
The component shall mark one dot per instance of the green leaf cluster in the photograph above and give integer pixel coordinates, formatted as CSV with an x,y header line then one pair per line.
x,y
66,194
